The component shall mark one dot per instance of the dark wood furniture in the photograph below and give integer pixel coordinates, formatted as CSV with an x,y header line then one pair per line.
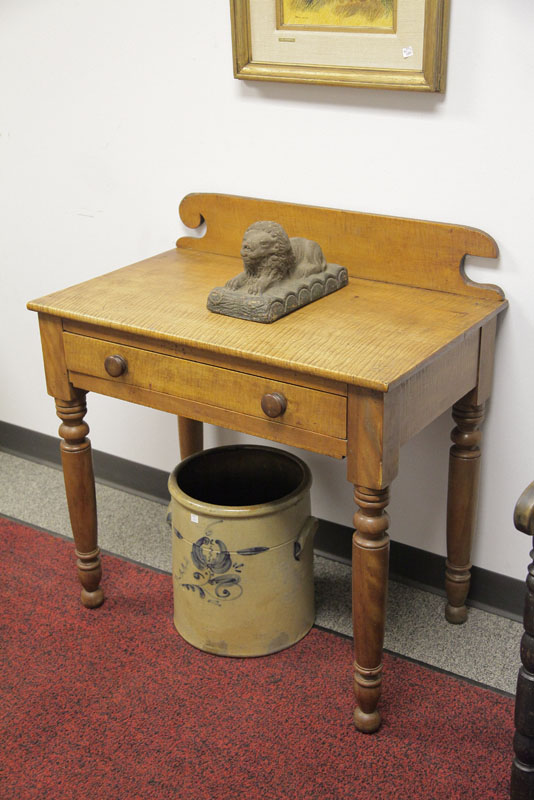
x,y
522,787
359,372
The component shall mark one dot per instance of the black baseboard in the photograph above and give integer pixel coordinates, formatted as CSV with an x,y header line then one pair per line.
x,y
110,470
490,591
498,594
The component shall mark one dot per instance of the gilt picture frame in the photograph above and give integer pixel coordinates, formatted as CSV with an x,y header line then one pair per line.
x,y
388,44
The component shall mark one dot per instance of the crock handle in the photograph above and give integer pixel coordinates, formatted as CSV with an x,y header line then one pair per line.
x,y
308,529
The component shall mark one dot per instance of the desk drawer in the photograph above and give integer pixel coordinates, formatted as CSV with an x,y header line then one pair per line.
x,y
309,409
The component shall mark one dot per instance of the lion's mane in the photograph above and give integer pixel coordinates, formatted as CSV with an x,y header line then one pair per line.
x,y
281,261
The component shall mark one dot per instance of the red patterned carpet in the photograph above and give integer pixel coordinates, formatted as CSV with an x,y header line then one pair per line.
x,y
111,704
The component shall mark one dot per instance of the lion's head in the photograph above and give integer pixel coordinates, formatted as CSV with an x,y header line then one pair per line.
x,y
266,247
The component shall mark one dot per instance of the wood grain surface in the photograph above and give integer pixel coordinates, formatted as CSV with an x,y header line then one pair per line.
x,y
369,333
236,391
56,373
206,412
380,248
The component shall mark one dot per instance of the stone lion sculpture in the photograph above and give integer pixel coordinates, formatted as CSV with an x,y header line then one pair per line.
x,y
270,257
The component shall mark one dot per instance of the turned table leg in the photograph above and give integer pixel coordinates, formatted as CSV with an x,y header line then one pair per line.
x,y
80,489
523,766
522,783
464,467
190,436
370,564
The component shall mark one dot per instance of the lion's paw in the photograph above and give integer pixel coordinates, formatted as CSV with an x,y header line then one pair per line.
x,y
235,283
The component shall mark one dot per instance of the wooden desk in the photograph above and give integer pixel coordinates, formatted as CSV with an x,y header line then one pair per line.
x,y
362,370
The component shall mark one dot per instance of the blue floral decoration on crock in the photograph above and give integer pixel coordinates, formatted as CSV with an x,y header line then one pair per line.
x,y
218,576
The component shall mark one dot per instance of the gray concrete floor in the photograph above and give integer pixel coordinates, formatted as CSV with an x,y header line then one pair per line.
x,y
485,649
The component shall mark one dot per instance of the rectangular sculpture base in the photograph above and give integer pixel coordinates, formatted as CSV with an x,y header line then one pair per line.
x,y
281,299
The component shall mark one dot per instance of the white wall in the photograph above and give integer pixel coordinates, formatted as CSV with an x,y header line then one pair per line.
x,y
112,111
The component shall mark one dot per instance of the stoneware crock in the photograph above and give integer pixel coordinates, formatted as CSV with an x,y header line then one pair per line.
x,y
242,550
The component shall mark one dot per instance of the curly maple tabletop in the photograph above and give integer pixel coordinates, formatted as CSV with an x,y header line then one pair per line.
x,y
369,333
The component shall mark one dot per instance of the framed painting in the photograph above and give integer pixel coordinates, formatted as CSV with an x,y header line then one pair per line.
x,y
388,44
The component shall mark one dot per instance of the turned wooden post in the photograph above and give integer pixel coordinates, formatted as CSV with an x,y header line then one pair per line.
x,y
464,468
522,784
190,436
80,489
370,564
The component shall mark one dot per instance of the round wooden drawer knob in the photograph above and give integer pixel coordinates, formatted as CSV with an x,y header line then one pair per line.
x,y
115,366
273,404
